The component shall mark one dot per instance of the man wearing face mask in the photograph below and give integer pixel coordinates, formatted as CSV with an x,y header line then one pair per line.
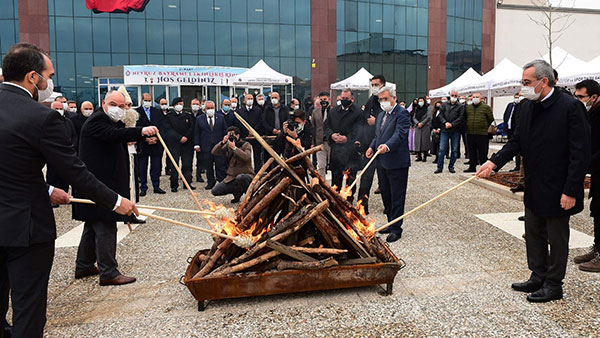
x,y
210,129
451,116
86,110
511,121
102,147
295,104
253,115
72,110
227,111
391,141
554,139
150,148
179,137
317,120
197,111
302,131
478,118
63,101
342,128
273,117
587,92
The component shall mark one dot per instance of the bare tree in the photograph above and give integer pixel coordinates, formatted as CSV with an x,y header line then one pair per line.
x,y
554,23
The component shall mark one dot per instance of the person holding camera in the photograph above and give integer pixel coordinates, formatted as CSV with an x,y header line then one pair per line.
x,y
239,171
294,129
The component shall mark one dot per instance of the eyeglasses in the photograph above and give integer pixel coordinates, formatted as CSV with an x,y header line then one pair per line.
x,y
581,97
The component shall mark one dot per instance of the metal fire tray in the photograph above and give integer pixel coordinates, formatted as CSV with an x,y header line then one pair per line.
x,y
289,281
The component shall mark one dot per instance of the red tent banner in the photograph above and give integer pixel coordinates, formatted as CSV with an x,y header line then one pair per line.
x,y
116,6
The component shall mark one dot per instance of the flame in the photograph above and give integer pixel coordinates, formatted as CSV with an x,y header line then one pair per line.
x,y
229,225
367,230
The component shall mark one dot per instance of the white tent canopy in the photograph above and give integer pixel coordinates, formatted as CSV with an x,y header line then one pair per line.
x,y
262,75
590,71
468,77
504,74
361,80
565,63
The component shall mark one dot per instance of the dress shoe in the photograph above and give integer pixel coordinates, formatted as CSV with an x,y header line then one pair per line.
x,y
86,273
199,180
135,220
159,191
173,189
437,171
591,266
518,188
515,170
546,294
192,187
209,187
119,280
528,286
469,170
394,236
54,205
235,200
377,191
586,257
451,170
385,231
142,193
419,158
521,218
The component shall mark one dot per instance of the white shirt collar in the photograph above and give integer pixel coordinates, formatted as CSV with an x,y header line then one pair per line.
x,y
394,107
549,94
19,86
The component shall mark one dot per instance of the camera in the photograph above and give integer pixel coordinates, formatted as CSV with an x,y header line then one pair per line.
x,y
232,138
291,122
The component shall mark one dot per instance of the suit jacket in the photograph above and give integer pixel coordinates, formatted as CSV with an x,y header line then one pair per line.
x,y
240,159
31,136
554,139
453,113
103,149
282,146
317,120
367,133
78,121
347,123
253,117
514,118
156,117
268,118
395,136
206,138
229,117
177,125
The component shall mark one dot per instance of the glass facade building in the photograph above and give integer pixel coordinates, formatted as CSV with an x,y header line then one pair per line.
x,y
9,25
463,43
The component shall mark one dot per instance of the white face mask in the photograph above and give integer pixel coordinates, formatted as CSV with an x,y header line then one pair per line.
x,y
375,90
115,113
178,108
402,105
462,101
61,112
65,106
249,102
338,102
386,106
273,101
46,93
517,100
233,105
476,101
164,106
203,106
470,102
421,104
210,112
444,101
453,99
147,104
87,112
529,92
300,128
73,110
260,102
195,107
428,101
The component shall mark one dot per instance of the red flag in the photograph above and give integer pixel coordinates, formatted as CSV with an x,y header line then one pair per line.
x,y
116,6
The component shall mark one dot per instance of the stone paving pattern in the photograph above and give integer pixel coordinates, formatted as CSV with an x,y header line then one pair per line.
x,y
456,282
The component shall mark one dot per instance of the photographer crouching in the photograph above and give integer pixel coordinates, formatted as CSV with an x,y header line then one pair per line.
x,y
294,129
239,170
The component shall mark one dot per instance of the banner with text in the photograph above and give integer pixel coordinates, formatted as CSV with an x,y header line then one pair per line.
x,y
180,75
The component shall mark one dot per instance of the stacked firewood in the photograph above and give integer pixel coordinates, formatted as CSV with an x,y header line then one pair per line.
x,y
296,221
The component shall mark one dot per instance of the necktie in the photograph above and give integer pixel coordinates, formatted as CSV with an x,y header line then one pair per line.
x,y
148,114
210,123
385,117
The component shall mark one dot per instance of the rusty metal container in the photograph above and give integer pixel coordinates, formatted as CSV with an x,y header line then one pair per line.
x,y
288,281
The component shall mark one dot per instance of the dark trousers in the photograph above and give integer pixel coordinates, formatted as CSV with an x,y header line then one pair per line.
x,y
465,140
98,243
27,270
596,232
256,154
237,187
185,153
200,165
338,167
454,138
155,164
547,266
393,183
366,182
216,167
478,149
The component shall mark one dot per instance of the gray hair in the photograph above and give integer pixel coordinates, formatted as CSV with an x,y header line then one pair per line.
x,y
388,89
347,90
209,101
542,70
110,92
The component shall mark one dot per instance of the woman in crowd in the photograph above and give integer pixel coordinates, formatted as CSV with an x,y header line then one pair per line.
x,y
422,126
436,127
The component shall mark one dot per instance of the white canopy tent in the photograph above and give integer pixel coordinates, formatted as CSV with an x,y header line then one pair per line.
x,y
468,77
261,75
590,71
361,80
565,63
506,76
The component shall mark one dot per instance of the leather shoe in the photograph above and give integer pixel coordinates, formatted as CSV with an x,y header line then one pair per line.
x,y
545,294
377,191
135,220
119,280
159,191
235,200
385,231
192,187
527,286
437,171
86,273
469,170
142,193
521,218
173,189
518,188
209,187
451,170
394,236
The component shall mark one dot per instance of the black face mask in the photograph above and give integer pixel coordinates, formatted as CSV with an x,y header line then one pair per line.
x,y
346,102
324,103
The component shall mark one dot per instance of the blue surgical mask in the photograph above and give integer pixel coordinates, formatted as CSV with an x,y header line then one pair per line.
x,y
226,108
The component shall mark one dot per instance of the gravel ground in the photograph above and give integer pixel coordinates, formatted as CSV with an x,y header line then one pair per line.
x,y
456,283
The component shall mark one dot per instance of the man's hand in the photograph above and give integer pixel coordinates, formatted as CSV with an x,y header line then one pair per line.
x,y
149,131
335,137
276,131
59,196
151,140
382,149
369,153
486,169
448,125
231,144
567,202
342,139
183,139
420,125
225,138
371,120
197,149
127,208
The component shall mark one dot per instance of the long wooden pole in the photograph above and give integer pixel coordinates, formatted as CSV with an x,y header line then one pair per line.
x,y
427,203
185,182
187,211
363,170
189,226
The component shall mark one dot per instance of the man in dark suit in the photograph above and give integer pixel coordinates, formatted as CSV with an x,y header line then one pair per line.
x,y
391,141
87,108
150,147
511,122
103,149
342,128
301,130
227,110
209,130
554,139
179,136
273,117
52,176
253,115
29,140
198,110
